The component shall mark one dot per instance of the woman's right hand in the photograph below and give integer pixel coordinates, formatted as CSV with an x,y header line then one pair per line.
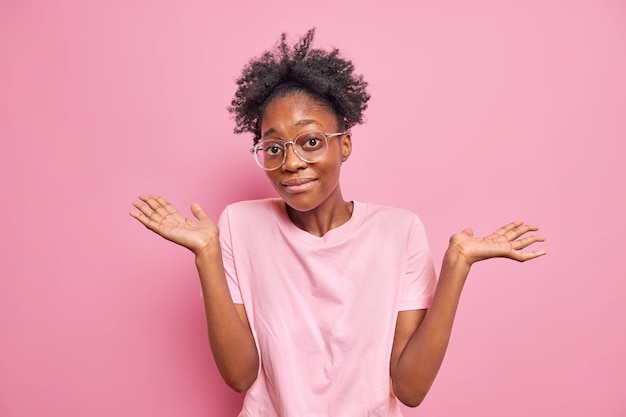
x,y
163,219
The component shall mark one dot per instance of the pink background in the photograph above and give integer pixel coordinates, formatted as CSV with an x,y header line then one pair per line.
x,y
482,112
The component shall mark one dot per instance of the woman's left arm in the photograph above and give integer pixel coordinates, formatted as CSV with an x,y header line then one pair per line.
x,y
422,336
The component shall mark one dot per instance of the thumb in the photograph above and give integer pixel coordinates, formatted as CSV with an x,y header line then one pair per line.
x,y
198,212
468,231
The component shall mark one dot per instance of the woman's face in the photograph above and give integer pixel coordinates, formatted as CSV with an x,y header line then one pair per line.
x,y
305,186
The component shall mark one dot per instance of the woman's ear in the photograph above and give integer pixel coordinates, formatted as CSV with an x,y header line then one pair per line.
x,y
346,147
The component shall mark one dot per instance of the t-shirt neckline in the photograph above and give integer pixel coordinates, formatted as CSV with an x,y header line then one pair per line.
x,y
335,235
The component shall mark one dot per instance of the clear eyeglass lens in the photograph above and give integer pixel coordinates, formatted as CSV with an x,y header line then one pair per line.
x,y
309,146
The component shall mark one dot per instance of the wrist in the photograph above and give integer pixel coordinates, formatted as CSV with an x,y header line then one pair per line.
x,y
208,248
456,260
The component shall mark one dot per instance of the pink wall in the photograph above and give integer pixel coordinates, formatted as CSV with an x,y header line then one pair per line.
x,y
482,112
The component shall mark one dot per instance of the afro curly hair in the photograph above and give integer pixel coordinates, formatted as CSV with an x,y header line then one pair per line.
x,y
323,75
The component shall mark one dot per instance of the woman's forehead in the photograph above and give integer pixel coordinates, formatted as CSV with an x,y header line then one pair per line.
x,y
294,112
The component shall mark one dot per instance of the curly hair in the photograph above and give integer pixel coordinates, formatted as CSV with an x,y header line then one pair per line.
x,y
323,75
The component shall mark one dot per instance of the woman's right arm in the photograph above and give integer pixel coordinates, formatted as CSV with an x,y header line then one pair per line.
x,y
230,337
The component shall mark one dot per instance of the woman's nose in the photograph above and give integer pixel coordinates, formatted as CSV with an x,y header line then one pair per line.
x,y
292,160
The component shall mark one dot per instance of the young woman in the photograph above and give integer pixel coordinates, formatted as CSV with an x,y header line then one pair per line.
x,y
315,305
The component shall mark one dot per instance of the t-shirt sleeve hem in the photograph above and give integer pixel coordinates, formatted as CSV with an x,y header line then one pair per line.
x,y
408,305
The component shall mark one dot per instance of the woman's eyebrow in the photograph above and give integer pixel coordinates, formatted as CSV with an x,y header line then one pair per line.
x,y
302,122
305,122
269,131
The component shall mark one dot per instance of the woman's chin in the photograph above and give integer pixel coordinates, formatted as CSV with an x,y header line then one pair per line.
x,y
299,205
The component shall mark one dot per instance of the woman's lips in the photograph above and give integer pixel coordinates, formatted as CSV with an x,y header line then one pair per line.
x,y
298,185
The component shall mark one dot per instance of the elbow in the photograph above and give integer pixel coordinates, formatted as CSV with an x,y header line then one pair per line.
x,y
239,387
410,395
240,384
241,377
240,380
411,400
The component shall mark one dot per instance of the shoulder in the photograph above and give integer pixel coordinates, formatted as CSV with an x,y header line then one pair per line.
x,y
251,215
392,215
248,211
386,210
399,223
251,207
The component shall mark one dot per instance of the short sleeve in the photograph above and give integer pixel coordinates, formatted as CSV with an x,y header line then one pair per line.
x,y
228,257
420,279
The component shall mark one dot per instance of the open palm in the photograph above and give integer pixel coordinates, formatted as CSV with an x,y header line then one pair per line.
x,y
162,218
506,242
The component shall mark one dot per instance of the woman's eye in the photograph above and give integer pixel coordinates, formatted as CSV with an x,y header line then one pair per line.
x,y
312,144
273,150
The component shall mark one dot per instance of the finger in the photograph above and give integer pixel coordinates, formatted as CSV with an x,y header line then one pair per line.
x,y
526,256
522,243
504,229
198,212
169,208
145,209
519,231
155,204
137,215
146,221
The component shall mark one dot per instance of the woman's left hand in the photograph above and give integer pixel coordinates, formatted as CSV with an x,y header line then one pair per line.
x,y
506,242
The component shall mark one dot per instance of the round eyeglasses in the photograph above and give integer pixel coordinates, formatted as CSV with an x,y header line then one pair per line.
x,y
311,147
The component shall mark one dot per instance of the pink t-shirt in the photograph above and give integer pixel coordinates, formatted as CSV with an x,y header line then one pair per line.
x,y
323,310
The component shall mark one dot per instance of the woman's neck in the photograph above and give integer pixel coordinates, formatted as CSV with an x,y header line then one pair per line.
x,y
322,219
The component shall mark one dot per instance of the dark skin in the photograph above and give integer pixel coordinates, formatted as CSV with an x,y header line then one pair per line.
x,y
315,204
311,191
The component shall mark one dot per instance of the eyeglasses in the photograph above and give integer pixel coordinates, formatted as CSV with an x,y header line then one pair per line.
x,y
311,147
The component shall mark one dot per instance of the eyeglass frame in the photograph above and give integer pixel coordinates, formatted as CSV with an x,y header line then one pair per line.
x,y
327,136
